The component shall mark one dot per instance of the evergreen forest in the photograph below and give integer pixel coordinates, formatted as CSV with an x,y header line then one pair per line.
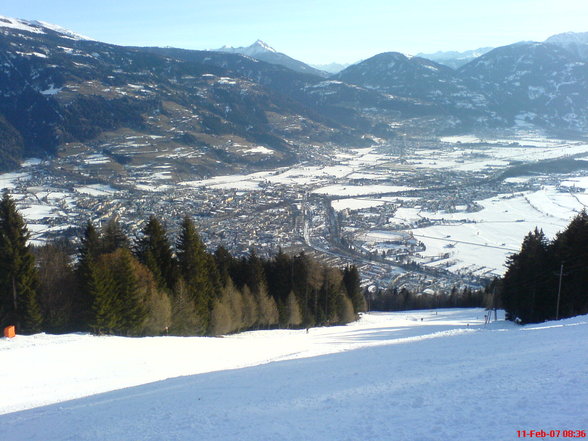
x,y
152,285
548,279
545,280
403,299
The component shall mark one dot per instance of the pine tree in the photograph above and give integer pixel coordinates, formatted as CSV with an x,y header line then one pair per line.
x,y
255,274
57,286
129,306
279,274
224,261
570,248
89,250
528,280
330,290
267,309
156,302
99,287
194,268
18,275
113,237
345,310
351,281
185,318
154,251
294,314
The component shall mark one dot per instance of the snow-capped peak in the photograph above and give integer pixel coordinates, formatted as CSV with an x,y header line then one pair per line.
x,y
569,38
61,30
262,45
37,27
22,25
259,47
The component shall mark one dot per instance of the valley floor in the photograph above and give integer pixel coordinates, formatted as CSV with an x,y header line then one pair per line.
x,y
418,375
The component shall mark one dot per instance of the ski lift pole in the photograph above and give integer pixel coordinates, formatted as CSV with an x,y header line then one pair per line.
x,y
559,292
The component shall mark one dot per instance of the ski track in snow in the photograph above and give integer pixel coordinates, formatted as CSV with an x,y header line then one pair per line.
x,y
390,376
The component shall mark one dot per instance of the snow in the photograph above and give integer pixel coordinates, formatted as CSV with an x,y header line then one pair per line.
x,y
389,376
36,27
52,90
96,190
31,162
65,32
485,238
9,180
21,25
97,158
355,204
38,212
579,182
257,48
238,182
358,190
260,149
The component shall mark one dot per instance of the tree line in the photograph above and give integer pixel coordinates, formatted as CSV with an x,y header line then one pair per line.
x,y
548,279
403,299
152,285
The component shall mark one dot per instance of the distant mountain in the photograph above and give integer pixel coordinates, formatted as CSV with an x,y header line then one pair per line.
x,y
455,59
417,78
264,52
575,42
58,88
332,68
539,83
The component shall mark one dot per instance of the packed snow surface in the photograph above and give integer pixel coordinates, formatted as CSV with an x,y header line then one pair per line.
x,y
419,375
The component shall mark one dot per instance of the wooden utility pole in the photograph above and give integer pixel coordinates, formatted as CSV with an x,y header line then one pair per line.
x,y
494,303
559,291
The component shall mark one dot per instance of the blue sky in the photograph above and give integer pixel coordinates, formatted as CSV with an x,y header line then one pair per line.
x,y
314,31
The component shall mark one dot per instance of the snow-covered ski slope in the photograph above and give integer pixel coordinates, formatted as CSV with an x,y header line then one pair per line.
x,y
391,376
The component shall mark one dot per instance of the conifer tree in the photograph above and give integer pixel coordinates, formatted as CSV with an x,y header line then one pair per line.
x,y
83,313
100,289
330,290
194,268
570,249
184,315
154,251
57,285
113,237
524,289
294,314
220,319
18,275
279,276
250,308
351,281
267,309
156,302
224,261
129,304
345,310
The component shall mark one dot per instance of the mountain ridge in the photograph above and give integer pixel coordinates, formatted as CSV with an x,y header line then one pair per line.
x,y
264,52
61,88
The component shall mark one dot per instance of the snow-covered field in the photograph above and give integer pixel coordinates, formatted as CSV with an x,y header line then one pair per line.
x,y
420,375
480,242
374,187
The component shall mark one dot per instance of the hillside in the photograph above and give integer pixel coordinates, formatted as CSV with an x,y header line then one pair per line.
x,y
539,83
262,51
61,89
447,376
